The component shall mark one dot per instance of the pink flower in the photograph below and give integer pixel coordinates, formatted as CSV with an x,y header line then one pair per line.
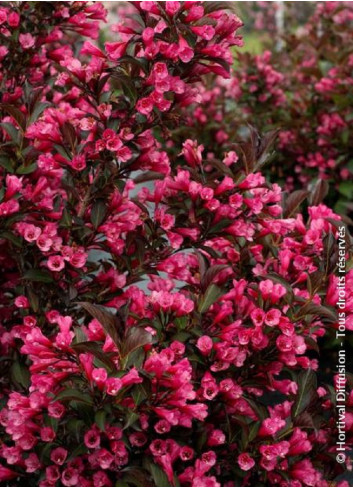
x,y
13,185
145,106
104,458
210,390
215,438
47,434
272,317
92,50
138,439
9,207
27,41
258,316
78,259
13,19
172,7
99,375
3,15
32,463
271,452
245,461
148,35
58,455
113,385
21,301
192,152
205,344
160,71
3,52
271,426
185,52
31,233
299,442
305,472
6,474
92,438
78,163
27,441
56,263
272,291
206,31
186,453
44,242
162,426
52,473
115,50
132,377
70,477
100,479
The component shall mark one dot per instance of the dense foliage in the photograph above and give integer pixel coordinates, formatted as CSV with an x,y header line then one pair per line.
x,y
161,306
303,90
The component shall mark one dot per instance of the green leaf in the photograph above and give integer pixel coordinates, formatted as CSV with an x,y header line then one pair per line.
x,y
39,108
16,114
12,131
181,336
96,350
181,322
307,385
214,6
158,475
33,298
19,374
223,223
139,394
293,202
16,240
140,63
148,176
319,193
98,213
134,476
134,339
346,189
100,418
78,451
211,274
130,418
254,428
73,395
259,408
320,311
80,336
312,344
66,219
75,426
69,133
64,152
212,293
25,170
37,275
6,162
111,324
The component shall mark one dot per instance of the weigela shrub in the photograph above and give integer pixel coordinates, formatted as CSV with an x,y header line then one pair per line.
x,y
304,90
162,333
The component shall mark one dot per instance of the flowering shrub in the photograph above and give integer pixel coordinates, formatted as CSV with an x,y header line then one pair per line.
x,y
164,334
304,91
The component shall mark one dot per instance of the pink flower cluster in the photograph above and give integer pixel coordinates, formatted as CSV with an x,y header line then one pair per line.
x,y
161,310
302,90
